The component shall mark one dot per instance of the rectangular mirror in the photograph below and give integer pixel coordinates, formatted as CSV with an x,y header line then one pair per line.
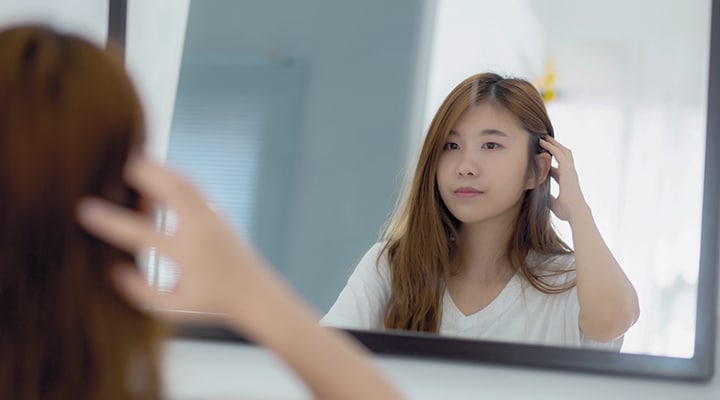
x,y
300,121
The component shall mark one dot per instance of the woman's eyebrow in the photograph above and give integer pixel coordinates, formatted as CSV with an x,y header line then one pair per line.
x,y
484,132
494,132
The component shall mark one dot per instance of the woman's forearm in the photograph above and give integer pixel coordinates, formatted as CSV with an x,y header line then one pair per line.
x,y
608,301
331,364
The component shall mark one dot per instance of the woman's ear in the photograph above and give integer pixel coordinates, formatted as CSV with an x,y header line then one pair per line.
x,y
543,162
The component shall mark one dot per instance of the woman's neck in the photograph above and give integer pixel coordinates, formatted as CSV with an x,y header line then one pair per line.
x,y
483,248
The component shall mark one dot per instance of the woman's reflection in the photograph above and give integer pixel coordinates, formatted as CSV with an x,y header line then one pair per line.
x,y
472,253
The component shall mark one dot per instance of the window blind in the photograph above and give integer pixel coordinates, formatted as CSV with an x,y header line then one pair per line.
x,y
215,141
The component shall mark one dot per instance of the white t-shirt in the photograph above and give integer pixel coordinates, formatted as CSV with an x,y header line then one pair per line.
x,y
520,313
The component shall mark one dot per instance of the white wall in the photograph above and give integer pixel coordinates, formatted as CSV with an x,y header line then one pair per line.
x,y
154,44
87,18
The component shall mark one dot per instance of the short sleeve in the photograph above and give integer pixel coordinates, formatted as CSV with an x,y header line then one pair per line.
x,y
361,303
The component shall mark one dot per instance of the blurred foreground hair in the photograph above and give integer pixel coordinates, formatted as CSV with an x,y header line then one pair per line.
x,y
69,117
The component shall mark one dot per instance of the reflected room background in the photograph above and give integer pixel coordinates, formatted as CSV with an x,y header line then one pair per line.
x,y
300,120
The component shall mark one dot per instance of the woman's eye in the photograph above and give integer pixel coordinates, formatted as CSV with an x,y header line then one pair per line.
x,y
491,146
450,146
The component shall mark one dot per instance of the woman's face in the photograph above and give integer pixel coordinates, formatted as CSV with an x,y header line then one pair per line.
x,y
482,170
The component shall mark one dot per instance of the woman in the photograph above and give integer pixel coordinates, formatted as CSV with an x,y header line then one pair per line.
x,y
72,308
472,252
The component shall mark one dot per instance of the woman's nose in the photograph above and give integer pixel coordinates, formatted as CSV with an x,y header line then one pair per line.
x,y
466,172
467,166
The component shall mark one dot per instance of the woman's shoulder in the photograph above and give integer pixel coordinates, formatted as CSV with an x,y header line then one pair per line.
x,y
377,252
374,262
376,248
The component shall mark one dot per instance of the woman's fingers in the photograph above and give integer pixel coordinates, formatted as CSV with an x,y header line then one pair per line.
x,y
123,228
201,246
551,140
560,152
133,286
554,150
545,144
162,185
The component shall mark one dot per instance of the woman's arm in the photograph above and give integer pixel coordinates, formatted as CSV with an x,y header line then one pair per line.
x,y
220,273
608,301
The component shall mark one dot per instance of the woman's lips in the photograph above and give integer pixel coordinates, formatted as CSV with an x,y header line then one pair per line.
x,y
467,192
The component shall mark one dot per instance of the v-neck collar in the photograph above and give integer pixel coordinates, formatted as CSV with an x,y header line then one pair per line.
x,y
500,303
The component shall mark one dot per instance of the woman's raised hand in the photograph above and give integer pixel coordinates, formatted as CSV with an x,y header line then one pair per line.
x,y
217,270
570,199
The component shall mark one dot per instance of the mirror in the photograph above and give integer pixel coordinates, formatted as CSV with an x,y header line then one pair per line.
x,y
300,121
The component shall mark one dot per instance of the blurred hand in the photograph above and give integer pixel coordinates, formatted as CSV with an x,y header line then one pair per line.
x,y
215,267
223,274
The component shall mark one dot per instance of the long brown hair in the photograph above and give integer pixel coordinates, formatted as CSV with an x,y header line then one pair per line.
x,y
69,117
420,244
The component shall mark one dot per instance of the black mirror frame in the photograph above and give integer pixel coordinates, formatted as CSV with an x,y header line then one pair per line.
x,y
698,368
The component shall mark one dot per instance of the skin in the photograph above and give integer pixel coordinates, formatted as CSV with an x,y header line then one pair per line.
x,y
487,151
225,274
